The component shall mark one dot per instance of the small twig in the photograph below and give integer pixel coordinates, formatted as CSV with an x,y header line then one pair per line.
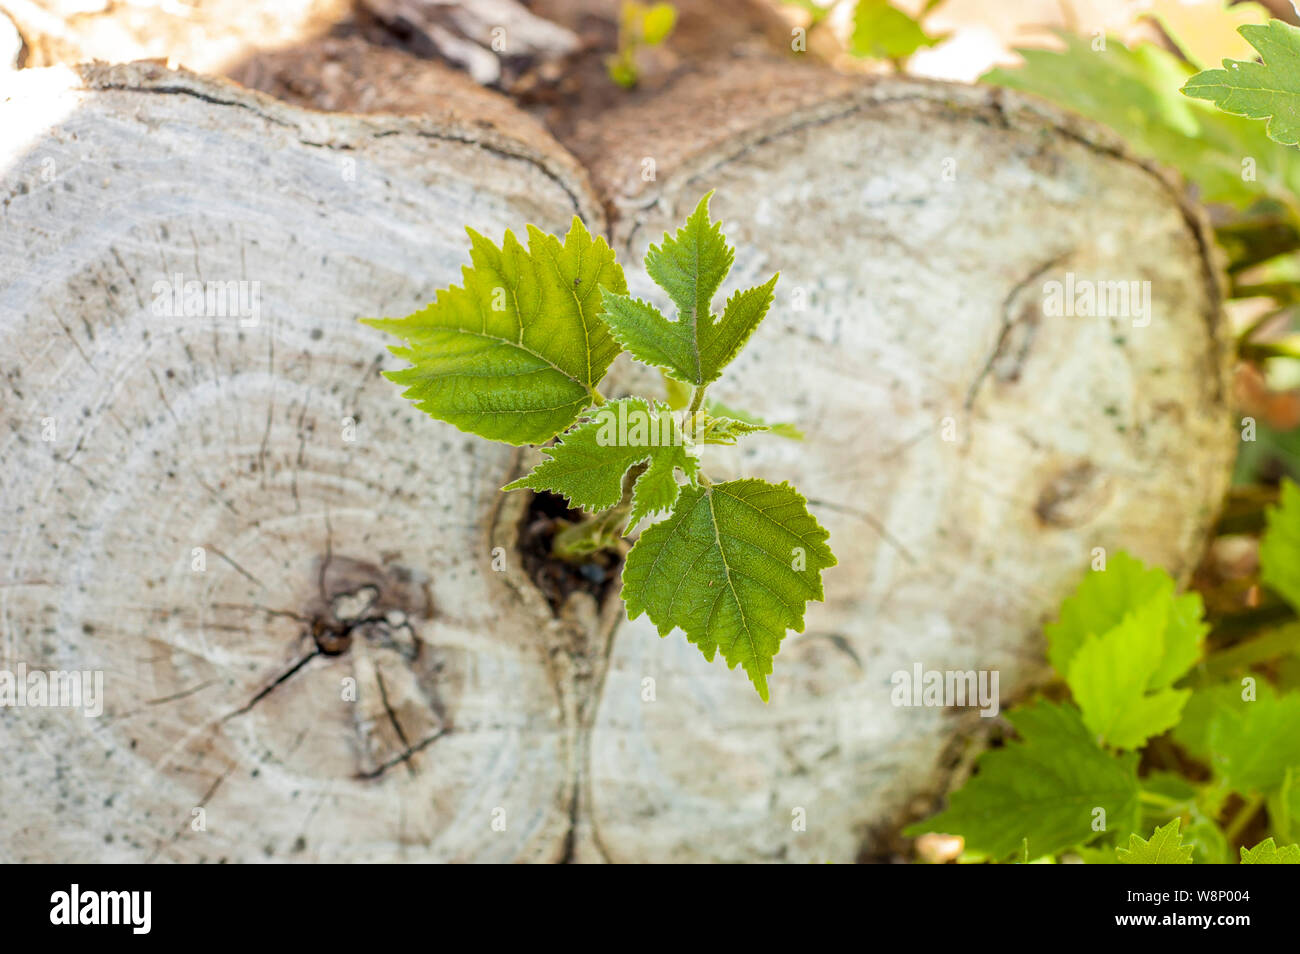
x,y
1243,817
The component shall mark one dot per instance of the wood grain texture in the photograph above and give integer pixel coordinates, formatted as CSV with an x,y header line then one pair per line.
x,y
910,307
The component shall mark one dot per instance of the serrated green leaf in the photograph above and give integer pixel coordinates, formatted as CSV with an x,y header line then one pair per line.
x,y
588,465
733,567
516,352
1109,675
780,429
1269,90
656,490
1136,93
1268,853
1105,597
690,266
881,30
725,430
1250,744
1047,787
1164,847
1279,549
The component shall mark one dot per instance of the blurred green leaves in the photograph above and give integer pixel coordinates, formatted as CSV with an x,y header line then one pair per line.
x,y
640,25
1054,788
882,31
1127,586
1123,641
1279,549
1136,92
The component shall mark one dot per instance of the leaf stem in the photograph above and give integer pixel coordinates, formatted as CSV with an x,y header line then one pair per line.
x,y
697,400
596,397
1262,350
1270,645
600,531
1156,800
693,412
1292,206
1243,817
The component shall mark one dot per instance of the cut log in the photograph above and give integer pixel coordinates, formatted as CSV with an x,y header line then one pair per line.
x,y
312,648
218,503
967,447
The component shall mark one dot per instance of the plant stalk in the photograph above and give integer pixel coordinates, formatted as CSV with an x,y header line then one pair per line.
x,y
1243,817
601,531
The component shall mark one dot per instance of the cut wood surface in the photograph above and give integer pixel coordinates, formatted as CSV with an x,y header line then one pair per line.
x,y
232,519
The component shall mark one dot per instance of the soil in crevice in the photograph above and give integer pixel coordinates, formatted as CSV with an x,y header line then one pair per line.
x,y
598,574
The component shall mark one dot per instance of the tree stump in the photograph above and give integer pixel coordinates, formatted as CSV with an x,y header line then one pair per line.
x,y
319,636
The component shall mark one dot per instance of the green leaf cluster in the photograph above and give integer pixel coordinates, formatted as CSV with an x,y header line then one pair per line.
x,y
516,354
1280,545
1053,788
589,464
1126,644
1121,642
1136,93
640,25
